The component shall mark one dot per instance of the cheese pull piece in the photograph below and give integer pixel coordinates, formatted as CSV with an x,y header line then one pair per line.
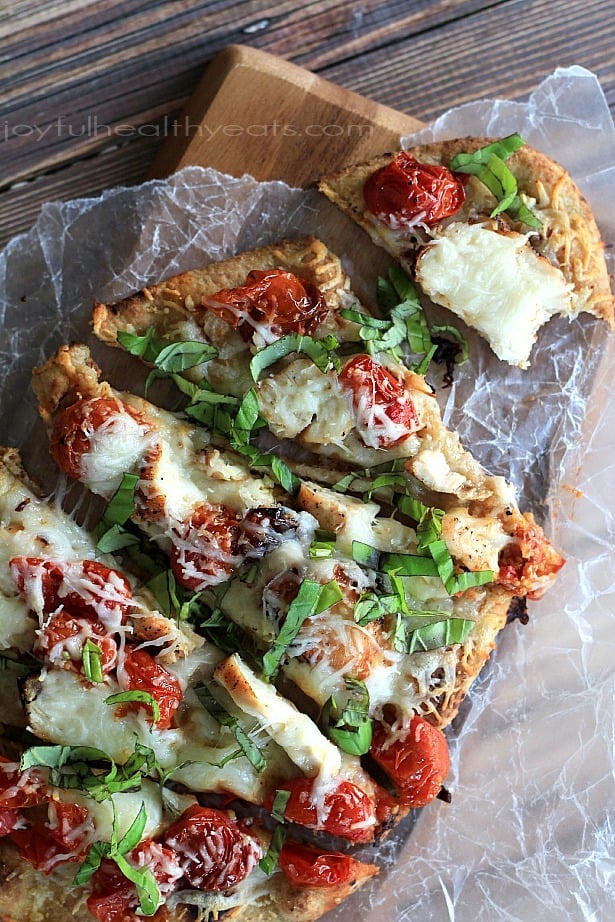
x,y
497,283
295,732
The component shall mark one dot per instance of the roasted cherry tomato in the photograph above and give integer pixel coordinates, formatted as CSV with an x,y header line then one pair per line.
x,y
114,898
306,866
84,589
348,811
214,853
405,193
279,299
62,639
417,764
10,820
64,838
74,428
385,414
205,549
21,789
141,672
528,563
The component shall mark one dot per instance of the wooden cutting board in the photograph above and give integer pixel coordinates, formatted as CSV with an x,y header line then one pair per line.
x,y
256,113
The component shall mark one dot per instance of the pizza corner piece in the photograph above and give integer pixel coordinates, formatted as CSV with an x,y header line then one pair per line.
x,y
115,731
493,230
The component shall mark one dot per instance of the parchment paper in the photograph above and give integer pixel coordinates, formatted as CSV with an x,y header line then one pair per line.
x,y
530,832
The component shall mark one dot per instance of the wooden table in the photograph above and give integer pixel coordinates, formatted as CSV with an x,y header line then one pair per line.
x,y
90,87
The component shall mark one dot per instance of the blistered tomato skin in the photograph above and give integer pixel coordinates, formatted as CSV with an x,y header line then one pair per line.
x,y
62,639
71,437
383,408
349,812
214,852
101,589
280,300
141,672
205,549
417,764
405,193
305,866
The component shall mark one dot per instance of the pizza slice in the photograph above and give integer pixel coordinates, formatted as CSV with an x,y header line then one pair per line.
x,y
85,828
493,230
297,287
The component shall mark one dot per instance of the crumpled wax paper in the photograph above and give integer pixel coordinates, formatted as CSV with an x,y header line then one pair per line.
x,y
530,832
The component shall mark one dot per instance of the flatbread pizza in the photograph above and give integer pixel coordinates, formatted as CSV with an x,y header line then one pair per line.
x,y
493,230
245,671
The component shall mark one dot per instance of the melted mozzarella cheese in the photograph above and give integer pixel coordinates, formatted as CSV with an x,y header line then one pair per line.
x,y
127,806
69,712
302,400
115,447
30,528
496,283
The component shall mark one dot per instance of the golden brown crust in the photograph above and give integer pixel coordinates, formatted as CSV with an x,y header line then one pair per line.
x,y
69,376
569,238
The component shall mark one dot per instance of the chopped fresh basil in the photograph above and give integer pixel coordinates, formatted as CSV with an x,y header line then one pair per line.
x,y
121,505
312,598
173,600
148,892
319,549
142,697
385,480
178,357
429,529
251,751
269,861
168,358
92,661
92,862
144,347
385,561
389,467
246,420
446,329
487,164
423,632
348,725
372,607
438,563
278,808
320,351
92,770
116,539
112,536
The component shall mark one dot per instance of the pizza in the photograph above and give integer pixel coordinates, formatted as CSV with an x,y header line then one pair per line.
x,y
493,230
100,831
243,671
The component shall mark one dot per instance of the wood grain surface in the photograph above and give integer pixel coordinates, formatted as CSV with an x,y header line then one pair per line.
x,y
90,88
301,127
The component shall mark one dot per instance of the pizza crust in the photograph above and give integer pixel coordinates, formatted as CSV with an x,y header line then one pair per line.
x,y
569,238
